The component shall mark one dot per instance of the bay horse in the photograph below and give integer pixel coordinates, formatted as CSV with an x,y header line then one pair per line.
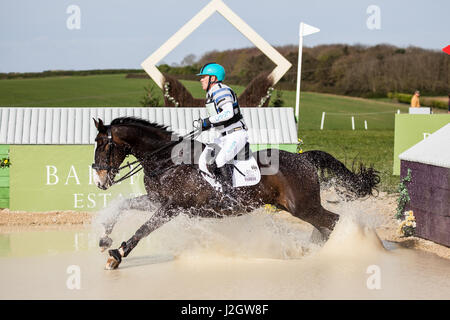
x,y
177,185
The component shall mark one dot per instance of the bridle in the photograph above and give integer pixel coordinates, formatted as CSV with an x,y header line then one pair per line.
x,y
109,167
112,169
111,144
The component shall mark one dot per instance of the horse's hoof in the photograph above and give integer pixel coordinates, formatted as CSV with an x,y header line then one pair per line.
x,y
114,260
319,236
104,243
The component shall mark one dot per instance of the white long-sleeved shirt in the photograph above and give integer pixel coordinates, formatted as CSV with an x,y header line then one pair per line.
x,y
224,98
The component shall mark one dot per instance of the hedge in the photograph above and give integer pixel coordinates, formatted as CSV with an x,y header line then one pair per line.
x,y
426,102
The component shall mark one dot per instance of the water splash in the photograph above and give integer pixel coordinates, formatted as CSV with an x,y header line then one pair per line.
x,y
255,235
355,232
260,234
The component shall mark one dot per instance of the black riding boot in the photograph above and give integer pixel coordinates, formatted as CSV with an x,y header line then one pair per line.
x,y
226,177
223,174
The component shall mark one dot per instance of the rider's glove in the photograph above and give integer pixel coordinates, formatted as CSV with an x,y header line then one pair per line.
x,y
206,124
197,124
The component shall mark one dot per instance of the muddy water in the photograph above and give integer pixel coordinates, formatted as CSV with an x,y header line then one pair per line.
x,y
258,256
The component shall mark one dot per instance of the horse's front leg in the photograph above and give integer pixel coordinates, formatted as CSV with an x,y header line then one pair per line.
x,y
142,203
163,215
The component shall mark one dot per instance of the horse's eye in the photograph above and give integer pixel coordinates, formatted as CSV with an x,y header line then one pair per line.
x,y
100,141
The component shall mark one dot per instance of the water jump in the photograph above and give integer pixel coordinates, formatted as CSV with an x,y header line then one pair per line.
x,y
295,187
184,175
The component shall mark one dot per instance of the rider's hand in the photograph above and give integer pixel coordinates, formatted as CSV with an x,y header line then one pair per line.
x,y
197,124
206,124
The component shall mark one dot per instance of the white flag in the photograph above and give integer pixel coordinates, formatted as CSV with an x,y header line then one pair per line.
x,y
307,29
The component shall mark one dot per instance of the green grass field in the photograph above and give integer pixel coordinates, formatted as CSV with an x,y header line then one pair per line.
x,y
374,146
118,91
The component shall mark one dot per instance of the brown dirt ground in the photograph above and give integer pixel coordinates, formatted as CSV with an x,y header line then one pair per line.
x,y
13,221
17,220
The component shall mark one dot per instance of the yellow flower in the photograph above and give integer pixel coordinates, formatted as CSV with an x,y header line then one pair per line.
x,y
300,151
270,208
409,224
6,161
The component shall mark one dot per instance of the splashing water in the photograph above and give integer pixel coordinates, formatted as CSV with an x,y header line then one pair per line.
x,y
260,255
355,232
259,234
255,235
264,255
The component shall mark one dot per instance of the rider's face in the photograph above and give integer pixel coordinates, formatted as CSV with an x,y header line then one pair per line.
x,y
204,81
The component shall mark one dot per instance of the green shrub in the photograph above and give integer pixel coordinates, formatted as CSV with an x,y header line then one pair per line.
x,y
429,102
425,102
58,73
278,102
404,97
150,98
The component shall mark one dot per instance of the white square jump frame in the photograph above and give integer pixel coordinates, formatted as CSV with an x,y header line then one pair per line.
x,y
149,65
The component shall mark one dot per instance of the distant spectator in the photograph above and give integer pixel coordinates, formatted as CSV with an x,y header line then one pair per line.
x,y
415,103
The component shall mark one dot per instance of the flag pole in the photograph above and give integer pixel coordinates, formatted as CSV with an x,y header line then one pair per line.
x,y
304,30
299,72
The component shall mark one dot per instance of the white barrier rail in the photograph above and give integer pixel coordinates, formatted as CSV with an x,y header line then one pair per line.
x,y
322,122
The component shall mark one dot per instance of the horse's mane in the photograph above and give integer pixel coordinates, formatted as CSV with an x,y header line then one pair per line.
x,y
141,122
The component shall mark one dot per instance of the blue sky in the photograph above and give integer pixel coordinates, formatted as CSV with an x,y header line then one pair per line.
x,y
121,34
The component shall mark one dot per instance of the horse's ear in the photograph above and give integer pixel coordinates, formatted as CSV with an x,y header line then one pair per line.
x,y
99,124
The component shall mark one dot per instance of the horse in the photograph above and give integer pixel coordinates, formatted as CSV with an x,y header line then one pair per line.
x,y
176,185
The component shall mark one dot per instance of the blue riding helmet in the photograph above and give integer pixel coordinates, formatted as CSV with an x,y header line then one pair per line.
x,y
213,69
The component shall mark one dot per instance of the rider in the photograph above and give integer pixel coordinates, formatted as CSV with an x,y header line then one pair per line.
x,y
224,116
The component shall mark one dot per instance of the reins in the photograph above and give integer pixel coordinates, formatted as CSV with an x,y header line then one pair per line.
x,y
139,167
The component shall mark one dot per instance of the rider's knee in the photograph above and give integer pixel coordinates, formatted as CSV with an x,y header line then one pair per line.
x,y
220,160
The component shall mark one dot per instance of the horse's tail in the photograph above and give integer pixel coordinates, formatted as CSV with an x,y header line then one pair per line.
x,y
361,183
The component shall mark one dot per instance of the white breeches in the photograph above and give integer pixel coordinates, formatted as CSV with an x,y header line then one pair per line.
x,y
230,145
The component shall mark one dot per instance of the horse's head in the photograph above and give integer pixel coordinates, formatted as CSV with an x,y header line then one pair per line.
x,y
110,152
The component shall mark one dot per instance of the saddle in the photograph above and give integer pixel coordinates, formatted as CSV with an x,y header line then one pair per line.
x,y
245,170
245,153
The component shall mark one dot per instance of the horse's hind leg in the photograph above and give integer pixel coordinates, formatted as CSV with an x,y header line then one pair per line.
x,y
142,203
306,206
321,219
163,215
325,226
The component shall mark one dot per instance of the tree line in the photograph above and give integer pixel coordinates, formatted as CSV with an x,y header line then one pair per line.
x,y
355,70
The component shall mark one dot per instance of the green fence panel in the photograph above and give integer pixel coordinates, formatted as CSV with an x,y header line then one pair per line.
x,y
4,178
4,203
410,129
4,193
58,177
4,172
4,182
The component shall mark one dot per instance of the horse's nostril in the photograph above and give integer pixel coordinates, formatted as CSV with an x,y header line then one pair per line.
x,y
99,185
